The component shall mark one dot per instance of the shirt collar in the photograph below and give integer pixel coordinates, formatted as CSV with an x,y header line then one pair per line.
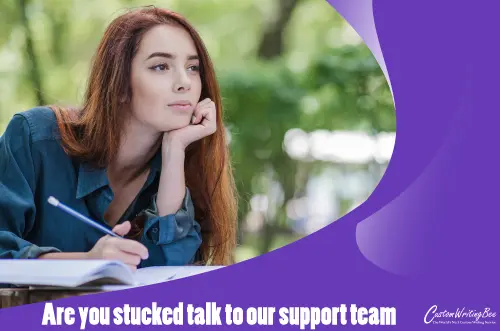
x,y
90,179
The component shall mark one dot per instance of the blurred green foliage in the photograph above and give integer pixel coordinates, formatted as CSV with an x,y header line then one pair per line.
x,y
323,77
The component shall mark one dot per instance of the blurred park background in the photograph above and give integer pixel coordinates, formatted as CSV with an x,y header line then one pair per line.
x,y
308,111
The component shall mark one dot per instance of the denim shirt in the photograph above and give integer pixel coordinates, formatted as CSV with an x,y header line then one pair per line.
x,y
34,166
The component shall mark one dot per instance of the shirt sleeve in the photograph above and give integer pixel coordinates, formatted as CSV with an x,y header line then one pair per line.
x,y
179,234
17,187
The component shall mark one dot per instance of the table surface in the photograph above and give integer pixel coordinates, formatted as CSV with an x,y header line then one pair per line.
x,y
11,297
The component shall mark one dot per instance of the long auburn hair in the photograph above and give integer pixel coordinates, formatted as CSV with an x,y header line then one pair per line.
x,y
92,134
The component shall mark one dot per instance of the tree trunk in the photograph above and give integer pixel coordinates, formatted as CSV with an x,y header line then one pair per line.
x,y
271,44
34,70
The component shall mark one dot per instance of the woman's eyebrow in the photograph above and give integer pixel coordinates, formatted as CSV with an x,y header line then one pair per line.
x,y
170,56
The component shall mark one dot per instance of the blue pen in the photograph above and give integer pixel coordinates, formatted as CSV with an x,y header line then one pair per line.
x,y
53,201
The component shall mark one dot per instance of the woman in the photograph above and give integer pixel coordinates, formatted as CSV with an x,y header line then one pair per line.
x,y
145,155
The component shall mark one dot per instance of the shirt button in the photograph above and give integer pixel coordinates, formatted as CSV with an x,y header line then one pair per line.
x,y
155,230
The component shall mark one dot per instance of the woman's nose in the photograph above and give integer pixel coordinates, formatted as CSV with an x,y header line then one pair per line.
x,y
182,83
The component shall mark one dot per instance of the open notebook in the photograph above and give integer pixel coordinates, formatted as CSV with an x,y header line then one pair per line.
x,y
76,273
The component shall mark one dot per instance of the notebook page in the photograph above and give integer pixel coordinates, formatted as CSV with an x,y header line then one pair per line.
x,y
154,275
57,272
188,271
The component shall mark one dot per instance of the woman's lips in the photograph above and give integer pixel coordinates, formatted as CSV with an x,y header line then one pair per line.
x,y
180,107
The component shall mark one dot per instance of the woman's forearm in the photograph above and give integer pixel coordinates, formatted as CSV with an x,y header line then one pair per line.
x,y
172,187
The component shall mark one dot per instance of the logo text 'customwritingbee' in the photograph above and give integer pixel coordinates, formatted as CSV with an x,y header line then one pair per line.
x,y
460,316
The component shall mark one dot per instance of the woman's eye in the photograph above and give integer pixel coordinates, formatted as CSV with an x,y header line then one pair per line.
x,y
160,67
194,68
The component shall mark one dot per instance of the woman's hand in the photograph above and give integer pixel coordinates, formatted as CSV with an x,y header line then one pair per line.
x,y
203,123
128,251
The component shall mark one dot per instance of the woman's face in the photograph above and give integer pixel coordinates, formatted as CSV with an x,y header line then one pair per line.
x,y
165,79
